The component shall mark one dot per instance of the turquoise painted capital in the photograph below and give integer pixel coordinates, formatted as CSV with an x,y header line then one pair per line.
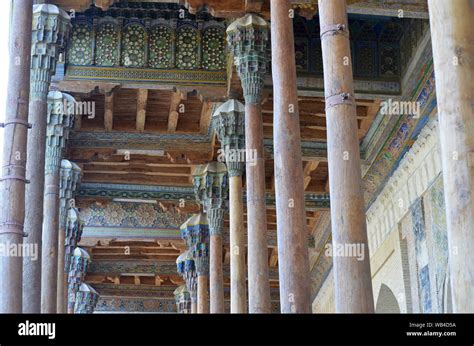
x,y
187,269
248,39
69,176
60,119
183,299
86,299
211,187
77,272
50,29
229,122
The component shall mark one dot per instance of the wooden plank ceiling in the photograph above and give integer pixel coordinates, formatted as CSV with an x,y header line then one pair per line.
x,y
173,112
237,8
168,112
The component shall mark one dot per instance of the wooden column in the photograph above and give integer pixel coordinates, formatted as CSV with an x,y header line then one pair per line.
x,y
238,277
353,284
196,233
228,120
211,190
194,303
453,55
59,123
50,27
293,261
248,38
216,275
12,200
202,301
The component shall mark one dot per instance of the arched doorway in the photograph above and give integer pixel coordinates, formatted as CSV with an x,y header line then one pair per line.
x,y
386,301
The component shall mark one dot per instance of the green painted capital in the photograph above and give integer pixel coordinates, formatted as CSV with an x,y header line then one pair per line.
x,y
183,299
86,299
195,230
50,29
248,39
200,253
186,267
60,120
77,272
216,221
211,186
229,122
69,176
73,229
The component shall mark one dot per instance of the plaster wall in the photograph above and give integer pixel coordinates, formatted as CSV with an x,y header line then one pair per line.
x,y
407,236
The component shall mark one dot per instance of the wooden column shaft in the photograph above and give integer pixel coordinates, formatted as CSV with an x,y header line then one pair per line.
x,y
238,289
34,205
293,259
216,275
62,276
353,283
258,279
453,56
49,275
12,200
202,300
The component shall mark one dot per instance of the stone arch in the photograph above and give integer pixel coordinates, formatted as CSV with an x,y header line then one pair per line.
x,y
386,301
447,295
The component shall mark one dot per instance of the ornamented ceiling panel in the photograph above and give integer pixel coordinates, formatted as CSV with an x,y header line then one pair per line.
x,y
147,42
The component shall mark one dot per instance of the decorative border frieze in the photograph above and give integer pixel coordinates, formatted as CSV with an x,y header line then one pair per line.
x,y
130,232
313,201
416,172
123,74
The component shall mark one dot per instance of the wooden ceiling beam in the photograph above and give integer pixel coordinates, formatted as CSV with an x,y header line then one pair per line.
x,y
206,117
273,262
136,179
132,168
326,186
173,116
309,167
369,119
142,100
254,6
109,111
108,155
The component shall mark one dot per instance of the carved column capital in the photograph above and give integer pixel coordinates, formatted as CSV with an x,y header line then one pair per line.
x,y
248,38
80,262
229,122
50,29
186,267
60,119
74,226
196,233
200,253
195,230
183,299
211,187
86,299
69,176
